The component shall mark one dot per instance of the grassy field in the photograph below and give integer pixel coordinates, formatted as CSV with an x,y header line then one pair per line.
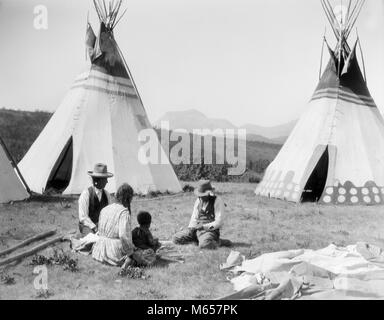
x,y
255,225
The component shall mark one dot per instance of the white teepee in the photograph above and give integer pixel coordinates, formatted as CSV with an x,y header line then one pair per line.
x,y
335,154
11,188
98,121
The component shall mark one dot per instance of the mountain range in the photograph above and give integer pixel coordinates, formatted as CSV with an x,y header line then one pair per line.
x,y
193,119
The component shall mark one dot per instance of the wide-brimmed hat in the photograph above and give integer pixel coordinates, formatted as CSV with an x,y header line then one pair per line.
x,y
204,188
100,171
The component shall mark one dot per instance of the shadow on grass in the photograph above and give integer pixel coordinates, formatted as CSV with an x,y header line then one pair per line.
x,y
163,263
241,245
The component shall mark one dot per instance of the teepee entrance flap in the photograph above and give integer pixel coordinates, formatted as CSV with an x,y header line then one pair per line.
x,y
62,170
316,175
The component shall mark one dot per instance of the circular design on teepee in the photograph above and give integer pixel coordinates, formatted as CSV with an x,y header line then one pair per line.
x,y
353,191
341,199
329,190
375,190
342,191
297,188
354,199
365,191
367,199
327,199
377,199
290,186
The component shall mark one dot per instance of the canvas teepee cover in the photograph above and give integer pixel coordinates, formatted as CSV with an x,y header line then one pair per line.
x,y
11,188
98,121
335,154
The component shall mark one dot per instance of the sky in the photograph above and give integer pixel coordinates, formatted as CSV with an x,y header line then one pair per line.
x,y
248,61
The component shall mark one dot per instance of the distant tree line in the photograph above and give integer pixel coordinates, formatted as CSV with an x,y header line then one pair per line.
x,y
19,129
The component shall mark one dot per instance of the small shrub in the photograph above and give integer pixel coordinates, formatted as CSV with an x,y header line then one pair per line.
x,y
58,258
38,260
133,273
254,179
44,294
188,188
63,259
153,194
7,280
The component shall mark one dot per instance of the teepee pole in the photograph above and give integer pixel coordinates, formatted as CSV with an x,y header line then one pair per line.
x,y
361,3
129,73
327,14
362,56
348,11
86,29
341,41
333,17
116,12
97,10
322,52
120,18
10,158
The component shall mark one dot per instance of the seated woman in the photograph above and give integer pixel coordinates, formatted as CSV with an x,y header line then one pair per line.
x,y
114,245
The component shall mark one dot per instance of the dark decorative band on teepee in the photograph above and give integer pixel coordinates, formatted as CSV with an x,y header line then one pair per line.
x,y
344,95
104,90
349,194
107,81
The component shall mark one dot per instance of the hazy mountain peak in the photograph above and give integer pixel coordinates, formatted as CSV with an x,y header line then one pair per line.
x,y
193,119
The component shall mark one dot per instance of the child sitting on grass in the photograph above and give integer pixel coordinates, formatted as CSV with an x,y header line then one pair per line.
x,y
141,236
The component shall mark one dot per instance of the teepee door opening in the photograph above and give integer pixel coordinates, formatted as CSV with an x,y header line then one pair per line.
x,y
62,170
317,180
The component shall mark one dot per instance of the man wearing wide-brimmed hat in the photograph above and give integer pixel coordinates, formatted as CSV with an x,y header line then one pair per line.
x,y
94,199
206,221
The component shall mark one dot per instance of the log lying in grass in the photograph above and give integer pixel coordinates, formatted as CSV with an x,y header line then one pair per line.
x,y
31,251
28,241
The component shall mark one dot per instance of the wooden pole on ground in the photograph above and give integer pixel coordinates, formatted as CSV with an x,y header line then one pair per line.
x,y
28,241
31,251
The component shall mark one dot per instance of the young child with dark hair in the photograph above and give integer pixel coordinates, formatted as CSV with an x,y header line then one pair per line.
x,y
141,236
